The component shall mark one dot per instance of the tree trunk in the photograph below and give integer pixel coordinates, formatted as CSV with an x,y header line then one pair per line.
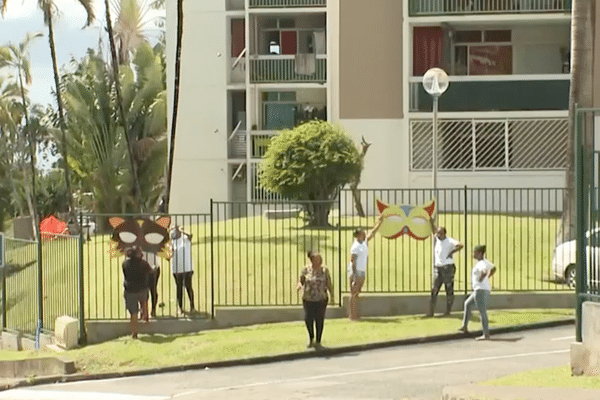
x,y
115,64
61,115
318,214
175,102
582,41
31,196
357,200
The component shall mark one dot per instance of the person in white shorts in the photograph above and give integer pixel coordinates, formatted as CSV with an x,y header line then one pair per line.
x,y
357,268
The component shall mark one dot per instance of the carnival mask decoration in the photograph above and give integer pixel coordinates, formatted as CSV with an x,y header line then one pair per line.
x,y
147,235
414,221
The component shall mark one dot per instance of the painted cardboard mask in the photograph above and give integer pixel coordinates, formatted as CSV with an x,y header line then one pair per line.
x,y
148,235
413,221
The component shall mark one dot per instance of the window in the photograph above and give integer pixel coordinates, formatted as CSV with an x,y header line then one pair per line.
x,y
483,53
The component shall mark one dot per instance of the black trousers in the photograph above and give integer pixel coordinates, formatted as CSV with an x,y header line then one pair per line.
x,y
314,312
153,282
181,280
443,275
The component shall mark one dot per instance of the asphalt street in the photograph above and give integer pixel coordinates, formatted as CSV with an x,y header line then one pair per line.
x,y
409,372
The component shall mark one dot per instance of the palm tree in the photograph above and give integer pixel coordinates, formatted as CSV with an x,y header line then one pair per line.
x,y
49,9
583,15
131,27
175,101
120,106
17,57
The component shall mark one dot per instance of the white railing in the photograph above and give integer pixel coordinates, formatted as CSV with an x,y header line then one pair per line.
x,y
507,144
287,3
260,141
495,92
239,58
285,68
237,143
441,7
257,193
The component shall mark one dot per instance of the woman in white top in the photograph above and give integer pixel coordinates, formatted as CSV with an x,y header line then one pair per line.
x,y
182,266
357,268
480,281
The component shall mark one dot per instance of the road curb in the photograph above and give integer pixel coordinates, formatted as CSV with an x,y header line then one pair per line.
x,y
280,357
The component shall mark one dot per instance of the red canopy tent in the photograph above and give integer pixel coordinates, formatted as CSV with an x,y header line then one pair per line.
x,y
52,226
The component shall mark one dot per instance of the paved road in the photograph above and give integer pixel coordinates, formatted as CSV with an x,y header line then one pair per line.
x,y
411,372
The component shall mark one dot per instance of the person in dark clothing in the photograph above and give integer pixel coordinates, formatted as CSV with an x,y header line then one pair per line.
x,y
136,274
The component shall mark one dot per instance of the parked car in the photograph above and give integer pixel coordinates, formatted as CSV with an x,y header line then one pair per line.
x,y
563,260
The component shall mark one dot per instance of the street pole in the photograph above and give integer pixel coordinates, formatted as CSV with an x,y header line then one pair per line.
x,y
434,155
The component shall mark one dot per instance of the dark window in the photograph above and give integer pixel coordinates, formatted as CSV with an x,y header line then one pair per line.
x,y
468,37
497,36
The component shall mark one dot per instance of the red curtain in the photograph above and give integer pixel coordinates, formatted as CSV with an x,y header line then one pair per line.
x,y
238,36
427,49
289,42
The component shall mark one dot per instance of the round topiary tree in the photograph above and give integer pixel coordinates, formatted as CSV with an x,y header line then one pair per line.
x,y
311,162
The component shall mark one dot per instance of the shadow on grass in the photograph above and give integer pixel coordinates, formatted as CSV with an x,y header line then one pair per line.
x,y
161,339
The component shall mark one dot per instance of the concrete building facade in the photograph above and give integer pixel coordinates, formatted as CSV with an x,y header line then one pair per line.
x,y
250,68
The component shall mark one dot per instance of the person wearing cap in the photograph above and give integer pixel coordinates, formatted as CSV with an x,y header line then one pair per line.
x,y
443,267
480,281
182,266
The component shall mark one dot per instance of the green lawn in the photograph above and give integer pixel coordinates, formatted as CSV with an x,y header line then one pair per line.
x,y
548,377
257,261
269,339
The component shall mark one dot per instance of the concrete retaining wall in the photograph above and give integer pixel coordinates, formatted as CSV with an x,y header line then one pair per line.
x,y
47,366
370,306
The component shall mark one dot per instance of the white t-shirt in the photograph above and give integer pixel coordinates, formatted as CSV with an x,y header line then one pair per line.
x,y
361,253
441,250
482,267
182,255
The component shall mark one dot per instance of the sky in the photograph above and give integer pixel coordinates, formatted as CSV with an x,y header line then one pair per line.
x,y
72,41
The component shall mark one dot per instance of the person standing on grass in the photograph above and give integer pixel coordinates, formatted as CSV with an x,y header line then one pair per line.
x,y
152,260
480,281
182,267
357,268
316,282
136,273
443,267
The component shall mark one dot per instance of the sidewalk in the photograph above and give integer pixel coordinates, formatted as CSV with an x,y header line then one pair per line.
x,y
486,393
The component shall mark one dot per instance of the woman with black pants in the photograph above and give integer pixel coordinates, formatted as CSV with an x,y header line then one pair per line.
x,y
315,282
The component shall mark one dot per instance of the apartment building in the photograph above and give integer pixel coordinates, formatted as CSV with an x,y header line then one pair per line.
x,y
250,68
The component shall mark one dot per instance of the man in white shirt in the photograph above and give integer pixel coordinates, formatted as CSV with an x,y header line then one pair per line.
x,y
443,268
482,288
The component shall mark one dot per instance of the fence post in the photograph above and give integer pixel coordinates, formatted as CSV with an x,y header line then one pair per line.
x,y
3,283
40,282
466,252
81,283
340,247
580,219
212,263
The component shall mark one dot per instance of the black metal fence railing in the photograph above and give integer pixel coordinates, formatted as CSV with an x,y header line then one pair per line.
x,y
251,254
103,276
20,298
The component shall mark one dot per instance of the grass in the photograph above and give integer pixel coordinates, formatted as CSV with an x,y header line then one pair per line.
x,y
269,339
556,377
257,262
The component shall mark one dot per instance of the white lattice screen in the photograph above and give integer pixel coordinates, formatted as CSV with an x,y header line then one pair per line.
x,y
493,144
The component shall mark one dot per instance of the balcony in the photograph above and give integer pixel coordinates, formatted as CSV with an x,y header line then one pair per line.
x,y
496,93
446,7
287,3
259,142
270,69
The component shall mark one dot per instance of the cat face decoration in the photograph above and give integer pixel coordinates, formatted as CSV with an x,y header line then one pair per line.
x,y
148,235
414,221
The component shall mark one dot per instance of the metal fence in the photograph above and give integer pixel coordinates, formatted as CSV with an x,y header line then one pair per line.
x,y
41,282
440,7
587,216
103,276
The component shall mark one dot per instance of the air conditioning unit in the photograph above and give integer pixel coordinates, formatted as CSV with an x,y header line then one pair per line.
x,y
65,332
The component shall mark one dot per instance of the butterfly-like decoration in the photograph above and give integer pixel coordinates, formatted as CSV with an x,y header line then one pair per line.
x,y
148,235
414,221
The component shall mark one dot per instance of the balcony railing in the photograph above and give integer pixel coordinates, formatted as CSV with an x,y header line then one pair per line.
x,y
496,93
260,142
265,69
506,144
444,7
287,3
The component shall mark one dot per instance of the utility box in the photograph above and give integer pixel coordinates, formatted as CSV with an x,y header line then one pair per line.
x,y
65,332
